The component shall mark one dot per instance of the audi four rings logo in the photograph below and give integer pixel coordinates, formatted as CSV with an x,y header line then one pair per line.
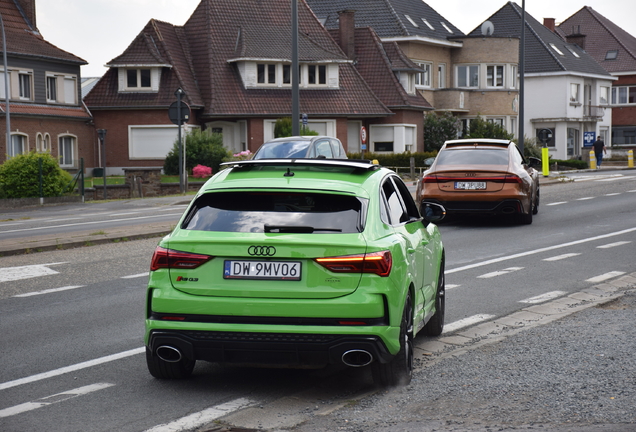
x,y
262,250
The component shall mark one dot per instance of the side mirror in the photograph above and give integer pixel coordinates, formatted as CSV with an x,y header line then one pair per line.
x,y
534,162
429,161
432,212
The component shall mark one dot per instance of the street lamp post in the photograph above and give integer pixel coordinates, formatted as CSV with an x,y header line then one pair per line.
x,y
102,138
6,84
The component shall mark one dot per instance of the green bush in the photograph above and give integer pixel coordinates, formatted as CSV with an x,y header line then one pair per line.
x,y
202,148
19,176
283,128
395,159
439,129
480,128
572,163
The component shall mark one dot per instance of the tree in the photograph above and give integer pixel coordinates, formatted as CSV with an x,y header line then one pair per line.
x,y
438,129
480,128
283,128
20,176
202,148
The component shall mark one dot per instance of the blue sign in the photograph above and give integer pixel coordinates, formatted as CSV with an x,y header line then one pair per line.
x,y
589,138
363,147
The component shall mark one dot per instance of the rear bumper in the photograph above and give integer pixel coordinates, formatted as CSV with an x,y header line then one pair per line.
x,y
281,349
506,206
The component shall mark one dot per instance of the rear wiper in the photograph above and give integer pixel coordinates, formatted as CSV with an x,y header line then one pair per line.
x,y
296,229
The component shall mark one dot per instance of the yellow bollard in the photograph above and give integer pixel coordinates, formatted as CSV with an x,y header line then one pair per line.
x,y
630,158
545,161
592,160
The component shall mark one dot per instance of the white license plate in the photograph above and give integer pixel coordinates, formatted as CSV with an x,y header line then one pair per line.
x,y
274,270
470,185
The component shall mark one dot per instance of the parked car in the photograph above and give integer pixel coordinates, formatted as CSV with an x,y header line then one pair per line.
x,y
321,147
297,263
482,176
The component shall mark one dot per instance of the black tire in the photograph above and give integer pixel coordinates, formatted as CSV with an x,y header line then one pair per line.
x,y
535,207
435,325
399,371
168,370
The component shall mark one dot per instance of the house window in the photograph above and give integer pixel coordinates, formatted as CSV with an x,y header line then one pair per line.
x,y
497,121
574,93
623,95
138,78
286,74
495,76
2,94
316,74
18,145
66,150
441,75
411,21
468,76
603,98
513,77
386,146
428,24
558,51
46,144
266,73
70,90
25,85
423,79
51,89
624,135
611,55
446,27
407,80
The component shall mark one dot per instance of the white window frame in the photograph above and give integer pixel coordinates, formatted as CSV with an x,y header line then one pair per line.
x,y
493,74
620,95
62,150
24,143
466,70
155,77
25,85
575,93
269,72
514,76
2,86
604,95
424,79
51,88
441,75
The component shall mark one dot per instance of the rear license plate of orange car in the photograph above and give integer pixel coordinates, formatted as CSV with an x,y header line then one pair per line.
x,y
470,185
273,270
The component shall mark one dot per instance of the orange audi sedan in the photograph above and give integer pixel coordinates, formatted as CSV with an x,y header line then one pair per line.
x,y
482,176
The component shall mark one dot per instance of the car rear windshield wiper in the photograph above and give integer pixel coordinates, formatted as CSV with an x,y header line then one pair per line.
x,y
296,229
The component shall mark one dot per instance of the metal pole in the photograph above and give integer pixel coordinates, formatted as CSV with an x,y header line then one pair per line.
x,y
522,71
294,71
6,84
102,136
181,155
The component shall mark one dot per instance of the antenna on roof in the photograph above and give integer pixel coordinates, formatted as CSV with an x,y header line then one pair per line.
x,y
487,28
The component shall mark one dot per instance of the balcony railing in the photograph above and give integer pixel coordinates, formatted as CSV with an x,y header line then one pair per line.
x,y
593,111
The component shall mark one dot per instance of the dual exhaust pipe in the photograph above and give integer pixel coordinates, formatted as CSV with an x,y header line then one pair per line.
x,y
352,358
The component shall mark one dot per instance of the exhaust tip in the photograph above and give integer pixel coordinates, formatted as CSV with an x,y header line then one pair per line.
x,y
357,358
169,354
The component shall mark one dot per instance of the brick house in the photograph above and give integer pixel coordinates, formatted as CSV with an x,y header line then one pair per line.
x,y
469,76
232,59
615,50
45,109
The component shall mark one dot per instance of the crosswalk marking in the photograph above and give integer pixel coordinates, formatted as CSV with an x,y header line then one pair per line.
x,y
26,272
56,398
136,275
543,297
611,245
48,291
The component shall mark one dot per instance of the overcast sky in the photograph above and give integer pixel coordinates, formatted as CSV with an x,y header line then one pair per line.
x,y
100,30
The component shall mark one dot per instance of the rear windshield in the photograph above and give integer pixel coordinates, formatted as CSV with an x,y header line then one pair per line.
x,y
276,212
286,149
473,156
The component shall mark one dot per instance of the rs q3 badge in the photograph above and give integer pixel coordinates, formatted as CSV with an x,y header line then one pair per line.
x,y
185,279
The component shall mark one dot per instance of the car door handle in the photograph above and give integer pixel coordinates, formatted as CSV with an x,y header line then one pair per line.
x,y
425,242
411,250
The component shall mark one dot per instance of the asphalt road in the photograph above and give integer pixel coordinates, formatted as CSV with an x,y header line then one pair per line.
x,y
72,329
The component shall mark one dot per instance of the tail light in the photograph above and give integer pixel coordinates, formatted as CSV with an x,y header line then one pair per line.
x,y
513,179
429,179
168,258
379,263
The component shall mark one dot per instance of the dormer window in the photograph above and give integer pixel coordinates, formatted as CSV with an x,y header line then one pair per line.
x,y
268,75
611,55
138,79
316,74
558,51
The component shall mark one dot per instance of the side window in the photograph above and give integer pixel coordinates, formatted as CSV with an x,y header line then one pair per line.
x,y
516,156
400,206
323,148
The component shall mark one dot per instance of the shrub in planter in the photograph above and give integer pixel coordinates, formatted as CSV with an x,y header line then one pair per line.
x,y
20,176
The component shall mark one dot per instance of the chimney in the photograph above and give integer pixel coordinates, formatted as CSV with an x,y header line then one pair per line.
x,y
549,23
28,8
576,37
346,32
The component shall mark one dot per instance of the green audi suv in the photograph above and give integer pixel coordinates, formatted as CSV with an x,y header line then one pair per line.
x,y
297,263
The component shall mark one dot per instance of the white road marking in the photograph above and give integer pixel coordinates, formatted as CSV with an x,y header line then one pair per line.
x,y
617,177
613,194
26,272
176,207
136,275
585,199
560,257
605,276
48,291
451,286
123,214
90,223
541,250
202,417
557,203
63,219
3,224
60,397
449,328
71,368
611,245
544,297
500,272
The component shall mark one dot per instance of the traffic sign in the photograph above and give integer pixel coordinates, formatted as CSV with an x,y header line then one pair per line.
x,y
363,135
589,138
174,115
